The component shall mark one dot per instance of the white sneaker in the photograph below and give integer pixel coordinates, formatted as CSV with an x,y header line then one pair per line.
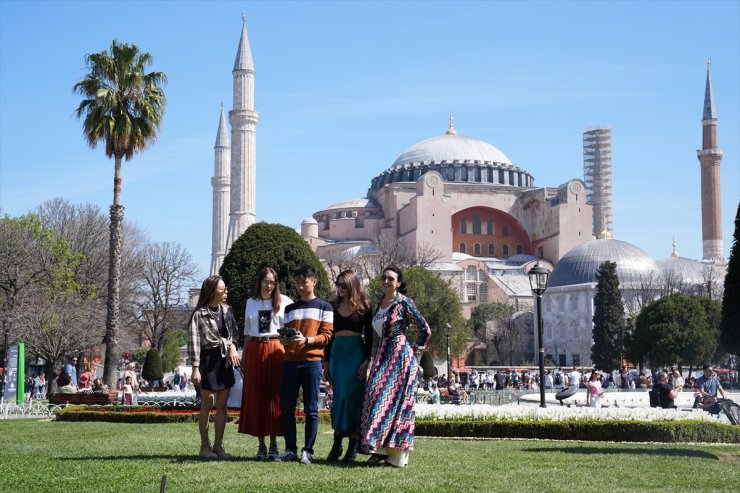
x,y
306,457
287,456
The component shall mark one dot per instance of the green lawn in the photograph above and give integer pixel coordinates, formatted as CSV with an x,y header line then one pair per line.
x,y
44,456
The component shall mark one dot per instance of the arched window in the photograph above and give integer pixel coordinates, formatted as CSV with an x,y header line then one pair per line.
x,y
463,226
519,249
483,291
490,227
505,250
542,252
476,224
505,231
476,249
462,248
491,249
471,273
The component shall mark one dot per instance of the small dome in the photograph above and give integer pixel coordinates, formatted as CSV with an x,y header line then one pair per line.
x,y
309,220
581,264
683,270
451,148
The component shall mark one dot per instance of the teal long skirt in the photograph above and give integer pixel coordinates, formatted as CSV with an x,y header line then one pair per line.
x,y
346,358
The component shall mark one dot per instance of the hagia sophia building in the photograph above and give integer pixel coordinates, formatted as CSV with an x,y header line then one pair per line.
x,y
485,217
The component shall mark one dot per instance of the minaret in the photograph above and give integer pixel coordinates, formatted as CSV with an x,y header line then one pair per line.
x,y
221,183
243,121
709,157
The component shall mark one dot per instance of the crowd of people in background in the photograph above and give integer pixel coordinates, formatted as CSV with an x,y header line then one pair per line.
x,y
459,387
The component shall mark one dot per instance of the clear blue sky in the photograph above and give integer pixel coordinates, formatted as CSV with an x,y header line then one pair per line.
x,y
343,88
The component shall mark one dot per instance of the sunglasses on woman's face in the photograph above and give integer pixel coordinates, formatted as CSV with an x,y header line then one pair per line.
x,y
341,285
387,279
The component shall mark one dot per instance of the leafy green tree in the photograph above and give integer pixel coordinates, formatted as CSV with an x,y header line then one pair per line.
x,y
676,329
609,320
122,106
502,326
152,369
439,304
730,325
171,350
268,245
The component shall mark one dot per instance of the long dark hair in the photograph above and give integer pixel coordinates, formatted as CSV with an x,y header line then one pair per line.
x,y
206,293
275,292
358,301
402,284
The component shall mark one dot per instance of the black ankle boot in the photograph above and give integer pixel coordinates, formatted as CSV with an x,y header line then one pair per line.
x,y
336,449
351,455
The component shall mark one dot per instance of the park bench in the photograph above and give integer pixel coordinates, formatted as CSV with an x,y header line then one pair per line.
x,y
86,399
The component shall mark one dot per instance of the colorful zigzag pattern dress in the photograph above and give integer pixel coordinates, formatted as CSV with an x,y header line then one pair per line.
x,y
387,421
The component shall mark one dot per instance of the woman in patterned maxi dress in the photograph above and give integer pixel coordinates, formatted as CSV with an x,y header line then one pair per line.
x,y
387,421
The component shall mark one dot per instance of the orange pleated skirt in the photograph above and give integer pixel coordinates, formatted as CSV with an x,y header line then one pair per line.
x,y
262,368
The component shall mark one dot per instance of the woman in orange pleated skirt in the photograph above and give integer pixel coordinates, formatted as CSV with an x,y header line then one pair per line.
x,y
262,364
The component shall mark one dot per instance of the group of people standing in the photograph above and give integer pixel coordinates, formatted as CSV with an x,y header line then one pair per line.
x,y
289,346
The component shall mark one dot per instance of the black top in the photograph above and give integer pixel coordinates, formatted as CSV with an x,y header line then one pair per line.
x,y
361,324
664,391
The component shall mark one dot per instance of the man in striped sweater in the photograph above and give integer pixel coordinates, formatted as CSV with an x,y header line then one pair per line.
x,y
311,320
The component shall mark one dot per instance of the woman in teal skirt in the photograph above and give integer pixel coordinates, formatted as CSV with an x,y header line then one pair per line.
x,y
346,360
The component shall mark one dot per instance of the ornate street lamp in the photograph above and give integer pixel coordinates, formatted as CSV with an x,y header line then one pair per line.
x,y
538,283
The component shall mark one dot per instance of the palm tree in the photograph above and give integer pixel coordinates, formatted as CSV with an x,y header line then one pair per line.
x,y
122,106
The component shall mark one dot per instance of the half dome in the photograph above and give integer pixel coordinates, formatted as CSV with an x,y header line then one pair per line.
x,y
580,264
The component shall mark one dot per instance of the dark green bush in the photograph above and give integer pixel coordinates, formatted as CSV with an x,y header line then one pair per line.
x,y
586,430
152,366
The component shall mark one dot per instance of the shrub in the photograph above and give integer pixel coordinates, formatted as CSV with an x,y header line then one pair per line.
x,y
586,430
152,366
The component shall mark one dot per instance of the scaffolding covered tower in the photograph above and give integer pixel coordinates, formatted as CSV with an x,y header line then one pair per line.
x,y
597,173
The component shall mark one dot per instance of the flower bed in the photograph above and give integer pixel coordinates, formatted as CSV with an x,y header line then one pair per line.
x,y
150,414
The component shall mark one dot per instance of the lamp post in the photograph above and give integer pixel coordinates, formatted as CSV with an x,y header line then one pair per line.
x,y
538,283
449,374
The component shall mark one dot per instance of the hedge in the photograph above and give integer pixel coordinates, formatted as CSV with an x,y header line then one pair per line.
x,y
585,430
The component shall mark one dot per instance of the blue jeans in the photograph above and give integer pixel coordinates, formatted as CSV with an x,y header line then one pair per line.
x,y
306,375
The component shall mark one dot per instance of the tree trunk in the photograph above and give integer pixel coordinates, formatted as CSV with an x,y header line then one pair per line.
x,y
114,275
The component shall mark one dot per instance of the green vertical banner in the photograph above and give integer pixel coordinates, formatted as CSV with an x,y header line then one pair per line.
x,y
20,396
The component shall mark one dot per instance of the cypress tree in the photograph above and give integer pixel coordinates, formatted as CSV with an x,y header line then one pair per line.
x,y
609,322
730,324
152,366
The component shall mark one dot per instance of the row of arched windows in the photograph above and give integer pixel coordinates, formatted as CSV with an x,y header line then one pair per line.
x,y
477,226
477,249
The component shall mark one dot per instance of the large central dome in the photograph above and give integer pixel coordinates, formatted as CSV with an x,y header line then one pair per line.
x,y
457,159
451,148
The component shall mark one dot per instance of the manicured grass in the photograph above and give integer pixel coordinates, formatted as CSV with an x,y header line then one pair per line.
x,y
45,456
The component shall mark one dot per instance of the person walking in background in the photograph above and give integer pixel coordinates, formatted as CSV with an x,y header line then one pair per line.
x,y
212,354
263,363
309,324
71,369
594,390
387,421
346,360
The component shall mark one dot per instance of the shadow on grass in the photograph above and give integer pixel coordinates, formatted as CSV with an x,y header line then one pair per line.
x,y
194,459
668,452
